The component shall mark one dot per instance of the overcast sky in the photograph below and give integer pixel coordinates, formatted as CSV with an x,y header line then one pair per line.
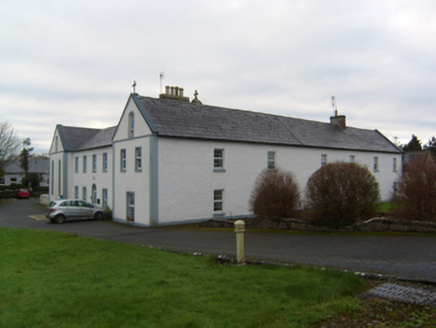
x,y
73,62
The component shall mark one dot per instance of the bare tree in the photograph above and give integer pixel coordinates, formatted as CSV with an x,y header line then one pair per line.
x,y
9,145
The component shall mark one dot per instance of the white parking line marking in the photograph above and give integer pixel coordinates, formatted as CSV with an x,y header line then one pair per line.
x,y
40,217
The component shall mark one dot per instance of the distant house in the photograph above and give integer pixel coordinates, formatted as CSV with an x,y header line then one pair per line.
x,y
14,173
169,160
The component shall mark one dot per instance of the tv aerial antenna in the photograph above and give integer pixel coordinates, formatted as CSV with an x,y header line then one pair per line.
x,y
334,108
161,76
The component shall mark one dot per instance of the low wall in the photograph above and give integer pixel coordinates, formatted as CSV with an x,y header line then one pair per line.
x,y
44,199
372,225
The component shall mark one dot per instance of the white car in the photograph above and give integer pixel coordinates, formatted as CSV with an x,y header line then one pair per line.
x,y
59,210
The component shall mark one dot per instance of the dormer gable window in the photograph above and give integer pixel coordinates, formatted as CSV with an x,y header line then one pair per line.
x,y
131,127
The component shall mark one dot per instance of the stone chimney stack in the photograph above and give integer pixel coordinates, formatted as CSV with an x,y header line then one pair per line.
x,y
174,93
339,120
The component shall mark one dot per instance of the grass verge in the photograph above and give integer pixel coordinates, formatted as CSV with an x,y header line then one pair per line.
x,y
51,279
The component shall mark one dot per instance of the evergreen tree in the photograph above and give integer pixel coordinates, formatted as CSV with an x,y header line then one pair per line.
x,y
413,145
24,158
431,146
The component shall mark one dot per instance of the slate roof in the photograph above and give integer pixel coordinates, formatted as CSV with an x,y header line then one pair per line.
x,y
182,119
173,118
75,138
35,166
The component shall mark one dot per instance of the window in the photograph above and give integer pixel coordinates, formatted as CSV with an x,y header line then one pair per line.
x,y
218,158
218,200
131,126
130,216
57,144
271,159
59,176
76,164
138,159
352,159
104,197
13,179
84,164
76,192
323,159
375,164
2,181
104,162
52,178
123,160
84,193
94,163
394,165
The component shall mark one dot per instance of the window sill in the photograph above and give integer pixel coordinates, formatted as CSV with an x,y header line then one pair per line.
x,y
219,170
138,170
219,213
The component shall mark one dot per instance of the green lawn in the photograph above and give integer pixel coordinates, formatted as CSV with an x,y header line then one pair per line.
x,y
51,279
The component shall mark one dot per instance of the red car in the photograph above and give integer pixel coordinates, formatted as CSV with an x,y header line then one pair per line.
x,y
23,193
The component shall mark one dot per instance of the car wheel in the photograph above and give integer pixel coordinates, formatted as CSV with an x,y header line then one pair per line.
x,y
59,218
99,216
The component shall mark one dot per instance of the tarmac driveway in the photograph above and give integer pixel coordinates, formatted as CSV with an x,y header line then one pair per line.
x,y
407,256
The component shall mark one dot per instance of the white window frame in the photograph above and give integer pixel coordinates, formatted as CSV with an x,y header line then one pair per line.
x,y
218,159
76,192
271,160
218,201
123,160
394,164
323,160
52,178
131,125
104,197
85,164
376,164
84,194
352,159
130,206
104,163
138,159
76,164
94,163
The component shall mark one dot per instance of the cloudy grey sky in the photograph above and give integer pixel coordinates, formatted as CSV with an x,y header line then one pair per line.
x,y
72,62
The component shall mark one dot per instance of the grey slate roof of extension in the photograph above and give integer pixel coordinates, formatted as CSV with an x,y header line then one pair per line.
x,y
173,118
74,138
35,166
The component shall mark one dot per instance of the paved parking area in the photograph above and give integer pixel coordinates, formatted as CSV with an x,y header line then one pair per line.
x,y
406,256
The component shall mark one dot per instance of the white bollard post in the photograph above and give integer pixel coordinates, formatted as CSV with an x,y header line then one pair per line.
x,y
240,252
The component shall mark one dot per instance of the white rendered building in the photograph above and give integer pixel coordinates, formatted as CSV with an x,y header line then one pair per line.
x,y
170,160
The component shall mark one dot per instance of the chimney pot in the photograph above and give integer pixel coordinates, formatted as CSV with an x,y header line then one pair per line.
x,y
339,120
167,89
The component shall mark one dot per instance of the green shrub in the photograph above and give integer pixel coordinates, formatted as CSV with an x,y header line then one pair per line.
x,y
414,197
340,194
32,179
275,194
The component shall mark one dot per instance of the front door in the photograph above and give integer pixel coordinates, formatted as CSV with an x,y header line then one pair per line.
x,y
94,194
